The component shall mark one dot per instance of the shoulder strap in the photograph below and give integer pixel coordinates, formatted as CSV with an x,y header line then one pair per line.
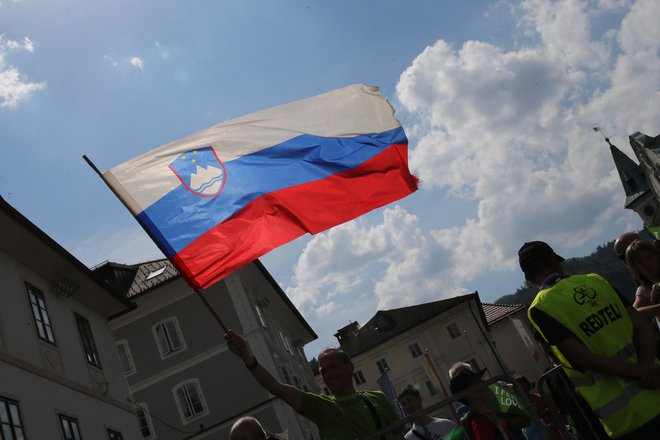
x,y
374,413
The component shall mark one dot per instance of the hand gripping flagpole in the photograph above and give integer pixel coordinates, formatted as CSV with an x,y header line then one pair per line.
x,y
197,291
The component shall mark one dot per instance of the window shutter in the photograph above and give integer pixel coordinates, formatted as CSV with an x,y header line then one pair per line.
x,y
173,333
162,339
183,400
194,398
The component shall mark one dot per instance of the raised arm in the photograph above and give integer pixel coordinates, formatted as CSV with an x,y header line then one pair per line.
x,y
289,394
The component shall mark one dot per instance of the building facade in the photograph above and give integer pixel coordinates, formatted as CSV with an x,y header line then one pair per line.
x,y
60,376
513,338
185,382
417,345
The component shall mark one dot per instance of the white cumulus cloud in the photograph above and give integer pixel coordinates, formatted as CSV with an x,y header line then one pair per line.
x,y
337,264
512,129
508,130
15,87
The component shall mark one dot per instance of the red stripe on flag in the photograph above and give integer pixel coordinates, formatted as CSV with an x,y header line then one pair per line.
x,y
281,216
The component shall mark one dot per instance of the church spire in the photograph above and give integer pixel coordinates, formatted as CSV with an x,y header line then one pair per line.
x,y
631,175
640,181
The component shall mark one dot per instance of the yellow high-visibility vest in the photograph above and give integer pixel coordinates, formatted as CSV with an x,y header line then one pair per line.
x,y
590,308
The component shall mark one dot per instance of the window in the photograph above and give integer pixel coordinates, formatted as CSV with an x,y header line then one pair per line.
x,y
190,400
125,357
260,316
114,435
415,351
87,339
359,377
289,376
286,375
382,366
453,330
475,364
431,387
285,343
144,421
11,425
40,313
155,273
168,337
70,428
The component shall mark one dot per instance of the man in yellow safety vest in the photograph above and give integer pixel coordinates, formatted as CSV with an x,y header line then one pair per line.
x,y
605,346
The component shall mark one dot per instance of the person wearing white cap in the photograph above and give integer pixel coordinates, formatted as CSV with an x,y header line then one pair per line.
x,y
480,422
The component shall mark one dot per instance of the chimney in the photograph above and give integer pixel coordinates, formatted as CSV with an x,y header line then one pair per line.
x,y
347,332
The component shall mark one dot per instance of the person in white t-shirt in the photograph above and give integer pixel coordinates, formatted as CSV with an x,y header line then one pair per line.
x,y
424,427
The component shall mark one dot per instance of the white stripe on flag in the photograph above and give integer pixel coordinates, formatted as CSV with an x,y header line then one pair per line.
x,y
345,112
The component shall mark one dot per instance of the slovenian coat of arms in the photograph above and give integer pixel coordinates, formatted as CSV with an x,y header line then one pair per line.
x,y
200,171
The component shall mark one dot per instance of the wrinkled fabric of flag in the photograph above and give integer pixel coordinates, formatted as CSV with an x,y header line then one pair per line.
x,y
221,198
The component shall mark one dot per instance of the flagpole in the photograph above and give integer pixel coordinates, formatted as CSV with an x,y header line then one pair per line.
x,y
434,375
100,174
197,291
210,309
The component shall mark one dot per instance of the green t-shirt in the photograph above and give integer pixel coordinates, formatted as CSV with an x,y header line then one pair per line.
x,y
348,418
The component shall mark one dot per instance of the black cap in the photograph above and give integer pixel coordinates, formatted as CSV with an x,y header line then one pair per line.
x,y
534,251
463,379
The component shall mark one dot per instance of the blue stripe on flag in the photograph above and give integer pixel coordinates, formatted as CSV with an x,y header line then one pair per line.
x,y
180,217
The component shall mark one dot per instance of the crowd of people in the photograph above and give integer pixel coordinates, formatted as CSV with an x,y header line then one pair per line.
x,y
605,344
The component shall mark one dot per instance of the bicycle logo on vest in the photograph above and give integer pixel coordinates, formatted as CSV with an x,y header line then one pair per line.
x,y
584,294
600,318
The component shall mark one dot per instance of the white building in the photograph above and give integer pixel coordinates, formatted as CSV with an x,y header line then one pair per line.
x,y
60,376
186,382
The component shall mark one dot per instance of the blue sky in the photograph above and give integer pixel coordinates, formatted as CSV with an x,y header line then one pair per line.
x,y
498,99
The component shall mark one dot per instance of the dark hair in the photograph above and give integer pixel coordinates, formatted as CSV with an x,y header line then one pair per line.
x,y
338,351
537,266
535,256
409,390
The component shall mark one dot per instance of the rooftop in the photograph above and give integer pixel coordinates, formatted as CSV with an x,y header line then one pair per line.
x,y
386,324
497,312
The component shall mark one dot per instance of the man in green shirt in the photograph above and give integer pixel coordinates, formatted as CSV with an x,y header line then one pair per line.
x,y
346,414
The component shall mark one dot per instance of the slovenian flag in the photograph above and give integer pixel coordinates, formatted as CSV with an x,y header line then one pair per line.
x,y
221,198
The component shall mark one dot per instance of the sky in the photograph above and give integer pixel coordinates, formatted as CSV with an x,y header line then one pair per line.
x,y
498,98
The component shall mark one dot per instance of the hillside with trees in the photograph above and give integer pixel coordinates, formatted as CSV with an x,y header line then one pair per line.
x,y
602,261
